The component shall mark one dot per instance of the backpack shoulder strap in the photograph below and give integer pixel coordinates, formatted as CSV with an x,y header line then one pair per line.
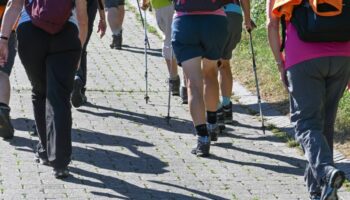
x,y
283,32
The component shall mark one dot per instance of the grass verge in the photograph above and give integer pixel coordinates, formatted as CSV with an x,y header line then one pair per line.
x,y
272,90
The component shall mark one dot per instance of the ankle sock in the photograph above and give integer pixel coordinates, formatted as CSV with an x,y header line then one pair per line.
x,y
202,130
225,101
211,117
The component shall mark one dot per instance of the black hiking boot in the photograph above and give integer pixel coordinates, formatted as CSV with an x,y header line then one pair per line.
x,y
214,131
117,41
315,196
183,95
6,128
203,146
220,119
40,159
175,86
333,181
78,98
61,173
227,110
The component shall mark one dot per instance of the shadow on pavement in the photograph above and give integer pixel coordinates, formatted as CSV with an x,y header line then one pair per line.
x,y
210,196
297,165
139,50
176,125
122,187
138,162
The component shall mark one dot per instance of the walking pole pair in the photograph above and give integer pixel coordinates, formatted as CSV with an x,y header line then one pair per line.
x,y
256,81
147,46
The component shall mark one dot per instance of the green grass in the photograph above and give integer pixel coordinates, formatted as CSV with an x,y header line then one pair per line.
x,y
270,85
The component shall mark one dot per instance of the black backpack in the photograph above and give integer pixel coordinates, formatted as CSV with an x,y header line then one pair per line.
x,y
3,2
314,28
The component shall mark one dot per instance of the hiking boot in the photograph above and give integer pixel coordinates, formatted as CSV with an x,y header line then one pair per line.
x,y
183,95
228,113
333,181
40,159
6,128
34,131
78,99
203,146
117,41
315,196
220,119
61,173
175,86
214,131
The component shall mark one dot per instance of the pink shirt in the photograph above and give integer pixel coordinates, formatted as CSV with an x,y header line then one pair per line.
x,y
298,51
216,12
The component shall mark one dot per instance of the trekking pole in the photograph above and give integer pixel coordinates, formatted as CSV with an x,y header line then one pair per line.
x,y
143,21
169,91
146,63
256,81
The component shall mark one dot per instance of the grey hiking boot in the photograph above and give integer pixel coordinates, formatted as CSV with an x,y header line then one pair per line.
x,y
333,181
175,86
214,131
203,146
183,95
6,128
117,41
220,119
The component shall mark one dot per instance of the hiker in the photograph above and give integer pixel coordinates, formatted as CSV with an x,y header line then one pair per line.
x,y
115,16
197,39
164,11
50,69
316,75
234,26
6,128
78,95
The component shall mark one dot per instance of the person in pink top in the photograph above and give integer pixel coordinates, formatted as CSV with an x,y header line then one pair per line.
x,y
315,75
198,38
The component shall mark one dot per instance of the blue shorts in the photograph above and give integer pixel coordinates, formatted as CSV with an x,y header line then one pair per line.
x,y
12,44
198,36
114,3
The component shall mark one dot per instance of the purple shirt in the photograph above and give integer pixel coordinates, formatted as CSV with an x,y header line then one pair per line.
x,y
298,51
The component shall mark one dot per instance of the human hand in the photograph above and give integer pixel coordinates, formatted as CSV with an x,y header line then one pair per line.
x,y
102,27
3,52
283,74
145,4
349,86
249,24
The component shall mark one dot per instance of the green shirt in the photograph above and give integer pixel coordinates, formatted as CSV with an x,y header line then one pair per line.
x,y
157,4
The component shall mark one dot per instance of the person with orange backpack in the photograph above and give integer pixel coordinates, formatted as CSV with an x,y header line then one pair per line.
x,y
57,29
315,69
6,128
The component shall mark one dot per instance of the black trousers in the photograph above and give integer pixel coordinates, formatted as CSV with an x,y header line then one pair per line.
x,y
82,71
50,62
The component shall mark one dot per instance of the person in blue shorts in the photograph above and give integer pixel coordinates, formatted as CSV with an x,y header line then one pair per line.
x,y
197,40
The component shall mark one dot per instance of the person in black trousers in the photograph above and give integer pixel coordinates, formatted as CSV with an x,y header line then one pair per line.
x,y
50,61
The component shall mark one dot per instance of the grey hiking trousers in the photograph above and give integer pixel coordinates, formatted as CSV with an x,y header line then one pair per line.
x,y
316,87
